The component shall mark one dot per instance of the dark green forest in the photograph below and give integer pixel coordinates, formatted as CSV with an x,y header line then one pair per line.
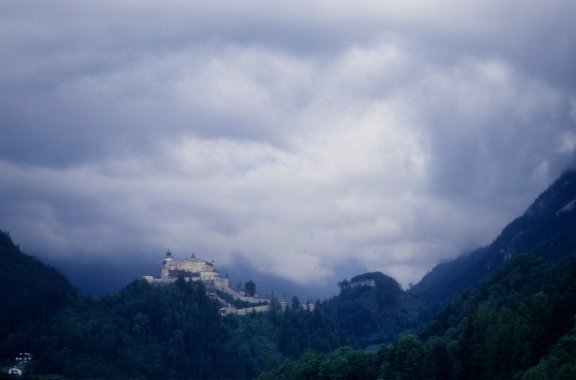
x,y
519,324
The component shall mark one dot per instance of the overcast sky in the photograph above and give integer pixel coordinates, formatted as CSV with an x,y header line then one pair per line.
x,y
303,137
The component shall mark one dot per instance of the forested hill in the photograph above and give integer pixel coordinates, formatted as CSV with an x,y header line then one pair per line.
x,y
144,331
30,291
547,229
372,308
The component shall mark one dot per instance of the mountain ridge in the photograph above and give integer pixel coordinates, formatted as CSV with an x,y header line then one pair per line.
x,y
541,229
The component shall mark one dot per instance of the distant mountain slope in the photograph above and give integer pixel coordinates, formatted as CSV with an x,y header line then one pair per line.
x,y
547,229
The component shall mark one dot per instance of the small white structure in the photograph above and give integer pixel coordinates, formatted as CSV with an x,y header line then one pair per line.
x,y
15,371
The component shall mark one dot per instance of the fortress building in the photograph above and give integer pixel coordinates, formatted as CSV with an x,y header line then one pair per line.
x,y
191,269
218,287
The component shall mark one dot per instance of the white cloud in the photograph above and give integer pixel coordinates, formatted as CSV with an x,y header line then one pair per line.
x,y
567,143
301,136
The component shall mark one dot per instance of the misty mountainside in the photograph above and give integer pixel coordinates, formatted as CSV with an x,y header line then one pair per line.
x,y
372,308
547,229
516,324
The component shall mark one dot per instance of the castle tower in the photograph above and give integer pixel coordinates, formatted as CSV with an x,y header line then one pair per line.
x,y
165,264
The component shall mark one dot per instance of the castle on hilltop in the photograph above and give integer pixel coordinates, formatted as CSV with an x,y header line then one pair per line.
x,y
218,287
190,269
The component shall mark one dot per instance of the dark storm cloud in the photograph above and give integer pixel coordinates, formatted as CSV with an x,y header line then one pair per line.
x,y
299,136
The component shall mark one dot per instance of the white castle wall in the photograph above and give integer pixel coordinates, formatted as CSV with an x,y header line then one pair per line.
x,y
192,265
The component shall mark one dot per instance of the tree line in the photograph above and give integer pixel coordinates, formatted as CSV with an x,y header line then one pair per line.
x,y
519,324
